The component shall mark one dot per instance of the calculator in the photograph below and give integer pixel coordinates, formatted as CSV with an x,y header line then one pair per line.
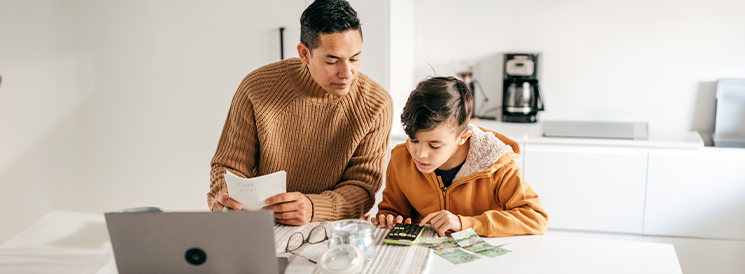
x,y
403,234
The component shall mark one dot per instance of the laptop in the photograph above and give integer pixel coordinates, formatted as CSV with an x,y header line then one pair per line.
x,y
194,242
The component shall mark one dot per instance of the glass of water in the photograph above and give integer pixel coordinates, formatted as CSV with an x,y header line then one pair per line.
x,y
353,232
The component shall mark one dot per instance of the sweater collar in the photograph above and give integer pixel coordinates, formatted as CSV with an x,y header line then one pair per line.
x,y
307,87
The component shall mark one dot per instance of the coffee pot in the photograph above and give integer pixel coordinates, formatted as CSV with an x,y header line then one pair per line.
x,y
521,99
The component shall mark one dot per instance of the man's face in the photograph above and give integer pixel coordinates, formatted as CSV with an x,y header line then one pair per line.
x,y
335,62
431,149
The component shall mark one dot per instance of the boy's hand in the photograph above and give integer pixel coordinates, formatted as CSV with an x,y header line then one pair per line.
x,y
389,220
442,221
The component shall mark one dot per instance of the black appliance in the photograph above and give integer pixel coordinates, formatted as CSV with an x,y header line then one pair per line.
x,y
521,97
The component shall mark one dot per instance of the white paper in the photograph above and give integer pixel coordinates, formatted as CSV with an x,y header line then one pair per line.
x,y
253,192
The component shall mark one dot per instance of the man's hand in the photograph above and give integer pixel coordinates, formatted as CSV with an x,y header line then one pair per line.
x,y
442,221
223,199
389,219
292,208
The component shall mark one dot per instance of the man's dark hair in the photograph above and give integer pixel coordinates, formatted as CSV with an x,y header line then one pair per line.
x,y
326,17
437,100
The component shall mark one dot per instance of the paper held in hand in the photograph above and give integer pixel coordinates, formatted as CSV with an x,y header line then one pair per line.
x,y
253,192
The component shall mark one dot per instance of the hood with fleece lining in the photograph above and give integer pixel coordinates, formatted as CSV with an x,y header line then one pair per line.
x,y
488,152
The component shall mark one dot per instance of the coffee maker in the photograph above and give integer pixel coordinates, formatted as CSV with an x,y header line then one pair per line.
x,y
521,97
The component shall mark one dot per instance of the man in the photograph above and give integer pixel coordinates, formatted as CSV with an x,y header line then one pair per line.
x,y
314,117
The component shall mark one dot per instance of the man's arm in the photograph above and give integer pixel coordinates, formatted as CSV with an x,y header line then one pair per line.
x,y
238,147
354,195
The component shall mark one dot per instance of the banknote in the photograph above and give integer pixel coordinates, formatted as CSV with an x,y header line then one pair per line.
x,y
469,240
449,250
441,242
488,250
455,255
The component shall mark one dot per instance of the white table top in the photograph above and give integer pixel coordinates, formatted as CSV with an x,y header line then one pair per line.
x,y
72,242
552,254
60,242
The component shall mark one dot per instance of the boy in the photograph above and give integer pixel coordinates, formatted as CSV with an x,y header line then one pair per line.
x,y
453,175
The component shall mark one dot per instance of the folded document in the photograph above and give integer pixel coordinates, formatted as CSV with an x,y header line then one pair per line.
x,y
253,192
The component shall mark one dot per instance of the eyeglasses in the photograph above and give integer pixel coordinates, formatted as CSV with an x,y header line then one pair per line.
x,y
317,235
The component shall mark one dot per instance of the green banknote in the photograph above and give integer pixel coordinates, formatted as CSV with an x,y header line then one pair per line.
x,y
455,255
469,240
449,250
488,250
441,242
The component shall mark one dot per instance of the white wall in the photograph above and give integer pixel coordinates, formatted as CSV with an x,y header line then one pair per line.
x,y
47,76
374,19
402,16
638,60
166,72
116,104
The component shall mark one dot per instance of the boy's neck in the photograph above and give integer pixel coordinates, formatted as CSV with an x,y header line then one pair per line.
x,y
458,156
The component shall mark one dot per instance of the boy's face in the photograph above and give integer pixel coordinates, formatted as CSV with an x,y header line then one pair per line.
x,y
432,149
335,62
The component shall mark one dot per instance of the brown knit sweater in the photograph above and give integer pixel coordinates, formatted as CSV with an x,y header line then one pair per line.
x,y
332,148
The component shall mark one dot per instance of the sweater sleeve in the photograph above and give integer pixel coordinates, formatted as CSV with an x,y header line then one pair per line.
x,y
521,213
354,195
394,201
238,147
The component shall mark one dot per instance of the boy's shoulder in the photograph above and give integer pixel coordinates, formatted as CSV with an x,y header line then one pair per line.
x,y
400,153
400,148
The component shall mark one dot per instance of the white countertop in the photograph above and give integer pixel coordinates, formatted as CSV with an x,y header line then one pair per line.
x,y
533,134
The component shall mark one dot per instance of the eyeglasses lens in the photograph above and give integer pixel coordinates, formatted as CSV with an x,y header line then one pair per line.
x,y
317,235
295,241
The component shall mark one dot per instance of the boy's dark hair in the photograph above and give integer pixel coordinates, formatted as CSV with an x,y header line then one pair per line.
x,y
436,100
326,17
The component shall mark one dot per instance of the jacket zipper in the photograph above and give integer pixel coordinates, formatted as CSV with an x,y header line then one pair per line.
x,y
439,184
444,197
443,189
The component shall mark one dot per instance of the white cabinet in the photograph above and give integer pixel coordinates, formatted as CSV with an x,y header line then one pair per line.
x,y
696,193
521,160
589,188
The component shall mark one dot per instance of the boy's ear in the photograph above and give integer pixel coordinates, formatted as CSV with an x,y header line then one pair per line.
x,y
463,138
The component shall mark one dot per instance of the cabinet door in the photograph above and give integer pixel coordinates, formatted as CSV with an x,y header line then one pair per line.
x,y
521,160
696,193
589,188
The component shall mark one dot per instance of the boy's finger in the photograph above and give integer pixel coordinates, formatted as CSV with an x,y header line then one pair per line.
x,y
374,221
441,227
436,219
399,219
426,219
441,222
381,219
442,230
389,218
408,221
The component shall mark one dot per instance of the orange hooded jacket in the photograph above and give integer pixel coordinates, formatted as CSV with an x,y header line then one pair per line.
x,y
487,193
